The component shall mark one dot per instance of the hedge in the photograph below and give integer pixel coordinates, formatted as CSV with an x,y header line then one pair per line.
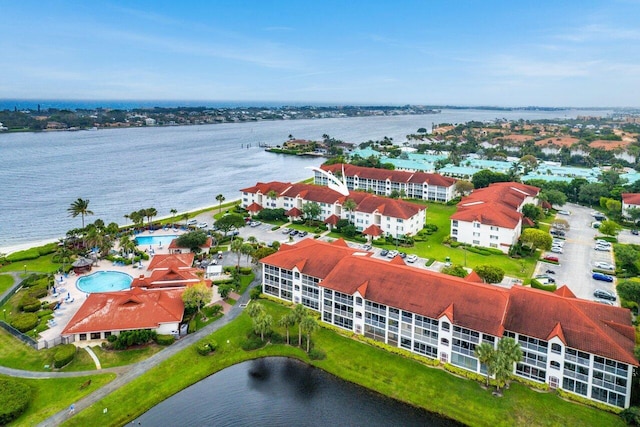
x,y
24,321
551,287
64,355
29,304
206,347
165,339
14,399
38,292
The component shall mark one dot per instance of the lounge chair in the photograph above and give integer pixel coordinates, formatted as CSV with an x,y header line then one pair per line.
x,y
69,300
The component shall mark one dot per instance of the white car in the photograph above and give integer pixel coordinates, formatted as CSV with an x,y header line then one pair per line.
x,y
203,225
603,243
556,250
604,265
192,221
558,243
564,212
412,258
392,254
603,248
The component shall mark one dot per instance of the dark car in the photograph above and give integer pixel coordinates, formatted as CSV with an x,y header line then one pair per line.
x,y
634,232
599,293
293,232
384,252
303,233
402,255
603,277
599,217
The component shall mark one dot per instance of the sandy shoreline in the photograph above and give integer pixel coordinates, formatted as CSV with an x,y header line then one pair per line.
x,y
6,250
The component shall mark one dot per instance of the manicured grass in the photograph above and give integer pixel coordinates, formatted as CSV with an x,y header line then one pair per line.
x,y
390,374
43,264
6,281
50,396
113,358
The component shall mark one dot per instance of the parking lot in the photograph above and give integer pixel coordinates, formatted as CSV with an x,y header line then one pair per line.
x,y
579,255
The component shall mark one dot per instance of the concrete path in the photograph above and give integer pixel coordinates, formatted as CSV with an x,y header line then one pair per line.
x,y
94,357
132,372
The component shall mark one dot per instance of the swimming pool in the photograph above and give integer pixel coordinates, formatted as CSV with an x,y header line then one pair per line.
x,y
104,281
155,240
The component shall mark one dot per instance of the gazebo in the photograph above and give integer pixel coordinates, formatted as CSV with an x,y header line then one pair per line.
x,y
332,221
82,265
254,208
293,213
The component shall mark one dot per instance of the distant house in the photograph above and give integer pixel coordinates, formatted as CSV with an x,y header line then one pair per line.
x,y
555,144
630,201
298,144
491,216
109,313
414,185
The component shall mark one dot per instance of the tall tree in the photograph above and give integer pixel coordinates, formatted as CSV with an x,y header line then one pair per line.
x,y
255,309
173,212
350,205
311,211
220,198
299,313
80,207
308,325
487,356
286,321
536,239
197,296
509,353
610,228
262,324
236,247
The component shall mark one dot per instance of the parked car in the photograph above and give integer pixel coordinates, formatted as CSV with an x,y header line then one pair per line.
x,y
556,242
551,258
604,265
366,247
603,243
603,248
285,231
545,280
254,223
599,293
392,254
293,232
202,225
402,255
603,277
550,272
384,252
599,217
558,233
303,233
556,250
192,221
412,258
596,224
563,212
634,232
604,301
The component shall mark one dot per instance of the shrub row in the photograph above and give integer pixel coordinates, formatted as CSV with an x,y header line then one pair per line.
x,y
245,271
484,251
551,287
253,342
33,280
464,373
206,347
162,339
64,355
24,321
14,399
129,338
588,402
32,253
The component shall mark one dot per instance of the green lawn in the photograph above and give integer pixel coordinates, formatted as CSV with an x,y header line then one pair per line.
x,y
390,374
53,395
42,264
6,281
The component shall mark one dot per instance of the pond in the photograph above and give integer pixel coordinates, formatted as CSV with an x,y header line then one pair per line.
x,y
279,391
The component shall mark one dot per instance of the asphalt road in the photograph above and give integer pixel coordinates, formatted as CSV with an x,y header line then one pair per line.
x,y
579,256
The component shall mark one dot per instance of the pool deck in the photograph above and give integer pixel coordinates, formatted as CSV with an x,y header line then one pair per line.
x,y
68,309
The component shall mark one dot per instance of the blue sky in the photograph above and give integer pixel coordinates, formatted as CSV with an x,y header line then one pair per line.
x,y
545,53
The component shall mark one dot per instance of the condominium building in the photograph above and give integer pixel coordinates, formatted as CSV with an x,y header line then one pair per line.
x,y
491,216
390,217
580,346
630,201
413,185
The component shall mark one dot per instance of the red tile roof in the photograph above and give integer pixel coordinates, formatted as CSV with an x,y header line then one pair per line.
x,y
391,175
631,198
169,271
609,145
293,212
126,310
372,230
366,202
171,260
332,219
564,141
583,325
254,207
496,204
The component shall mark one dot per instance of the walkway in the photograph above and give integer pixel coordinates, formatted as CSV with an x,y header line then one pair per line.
x,y
132,372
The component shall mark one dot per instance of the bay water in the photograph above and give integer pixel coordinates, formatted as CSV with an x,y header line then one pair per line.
x,y
179,167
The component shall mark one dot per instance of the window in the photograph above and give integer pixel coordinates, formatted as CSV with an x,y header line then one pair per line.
x,y
445,326
476,234
476,242
107,334
95,335
454,223
556,348
476,225
555,365
494,228
493,237
444,342
358,301
83,337
358,315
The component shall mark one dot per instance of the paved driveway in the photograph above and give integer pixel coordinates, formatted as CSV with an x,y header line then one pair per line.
x,y
579,255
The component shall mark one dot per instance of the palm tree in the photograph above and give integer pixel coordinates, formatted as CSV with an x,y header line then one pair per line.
x,y
299,313
150,213
127,245
486,355
262,324
308,325
236,246
185,216
173,215
350,205
62,255
220,198
79,207
286,322
508,353
255,309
